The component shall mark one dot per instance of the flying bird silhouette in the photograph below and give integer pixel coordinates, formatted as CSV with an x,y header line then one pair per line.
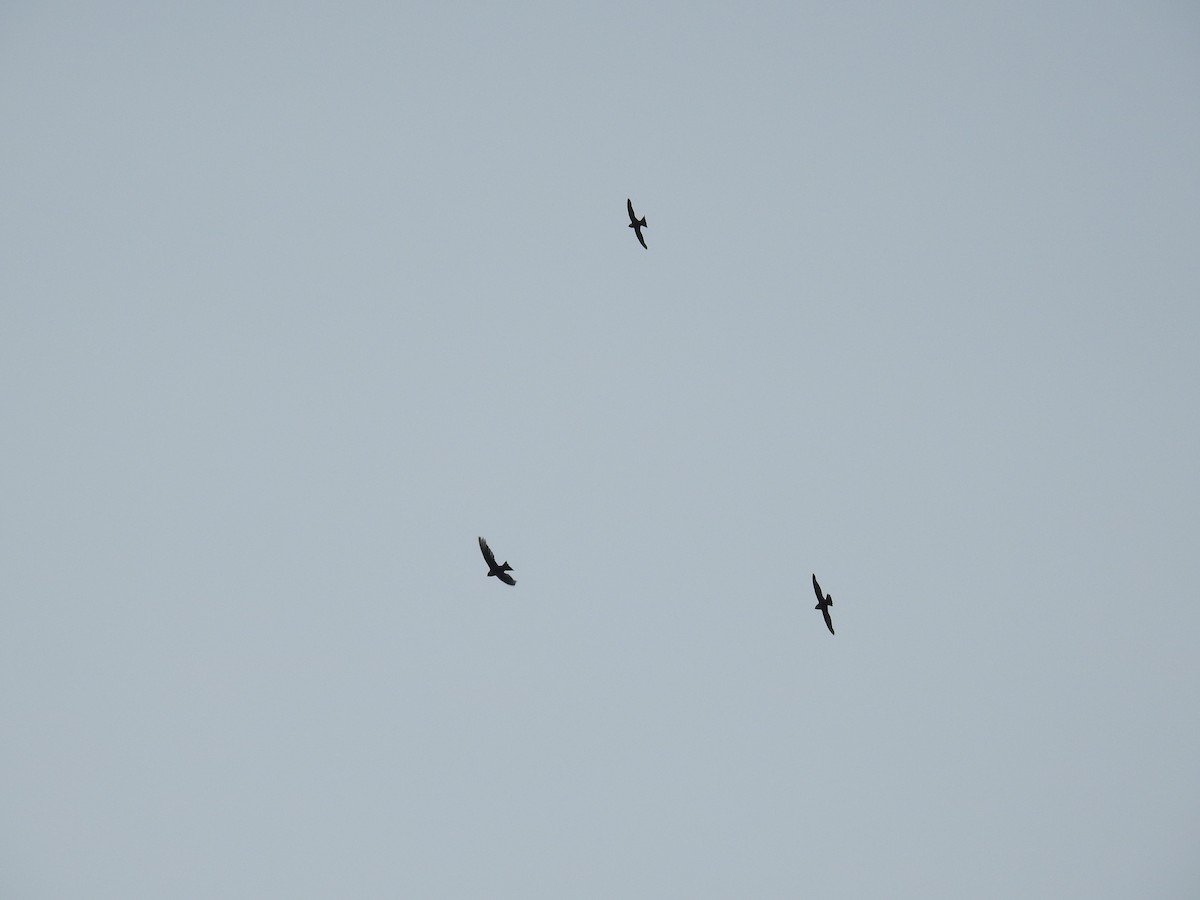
x,y
823,603
637,224
500,571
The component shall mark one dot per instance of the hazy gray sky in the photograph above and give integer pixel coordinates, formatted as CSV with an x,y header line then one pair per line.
x,y
297,300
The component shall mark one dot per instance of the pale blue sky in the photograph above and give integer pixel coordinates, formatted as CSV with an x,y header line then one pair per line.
x,y
297,300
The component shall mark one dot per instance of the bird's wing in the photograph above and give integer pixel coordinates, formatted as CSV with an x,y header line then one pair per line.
x,y
487,553
816,587
506,578
632,217
828,620
641,240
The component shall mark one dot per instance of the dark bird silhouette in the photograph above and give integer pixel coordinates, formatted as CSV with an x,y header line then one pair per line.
x,y
637,224
500,571
823,603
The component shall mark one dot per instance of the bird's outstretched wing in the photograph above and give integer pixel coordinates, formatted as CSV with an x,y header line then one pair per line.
x,y
641,240
816,587
506,578
632,217
487,553
828,620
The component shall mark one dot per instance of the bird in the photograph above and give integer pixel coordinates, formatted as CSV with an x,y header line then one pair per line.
x,y
500,571
637,224
824,601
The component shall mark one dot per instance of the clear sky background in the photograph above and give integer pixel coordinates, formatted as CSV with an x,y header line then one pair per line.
x,y
298,300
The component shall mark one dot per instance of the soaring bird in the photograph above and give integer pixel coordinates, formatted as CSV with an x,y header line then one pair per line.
x,y
500,571
824,601
637,224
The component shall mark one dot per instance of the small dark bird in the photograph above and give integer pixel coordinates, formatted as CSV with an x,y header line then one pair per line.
x,y
637,224
824,601
500,571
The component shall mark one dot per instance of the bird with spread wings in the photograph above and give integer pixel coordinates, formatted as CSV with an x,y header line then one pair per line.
x,y
824,601
637,224
499,570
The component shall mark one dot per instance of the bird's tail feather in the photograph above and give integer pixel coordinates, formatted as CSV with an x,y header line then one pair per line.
x,y
642,222
505,568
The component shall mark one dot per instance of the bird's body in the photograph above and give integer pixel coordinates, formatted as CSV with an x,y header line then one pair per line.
x,y
500,570
636,224
824,601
